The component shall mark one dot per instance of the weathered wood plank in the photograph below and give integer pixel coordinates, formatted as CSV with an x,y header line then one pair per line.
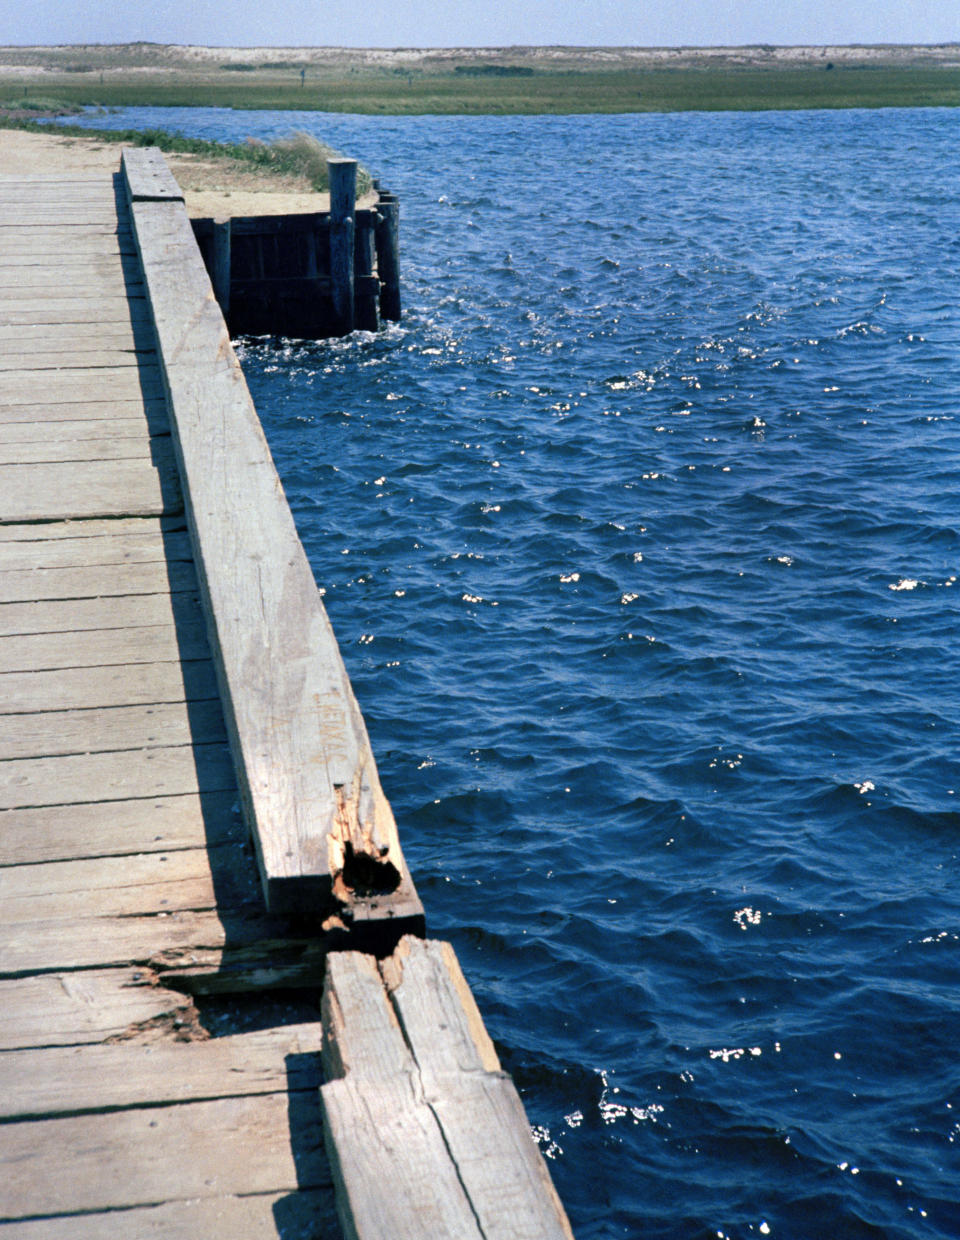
x,y
154,411
52,732
418,1046
115,526
62,490
100,942
391,1170
165,1153
41,433
78,615
81,335
69,1009
82,687
97,357
148,179
106,887
54,451
307,1212
116,775
91,286
56,310
149,643
125,544
70,1080
70,385
328,810
118,828
97,581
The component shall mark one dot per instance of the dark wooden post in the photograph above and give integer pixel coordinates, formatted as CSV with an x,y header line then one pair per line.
x,y
220,264
343,199
367,286
388,256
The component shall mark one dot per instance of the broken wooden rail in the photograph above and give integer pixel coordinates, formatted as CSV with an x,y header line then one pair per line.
x,y
325,837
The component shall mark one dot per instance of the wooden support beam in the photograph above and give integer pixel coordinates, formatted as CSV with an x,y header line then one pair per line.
x,y
326,840
426,1136
388,256
343,205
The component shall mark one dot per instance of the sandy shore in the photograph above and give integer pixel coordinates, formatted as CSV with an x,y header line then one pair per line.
x,y
212,187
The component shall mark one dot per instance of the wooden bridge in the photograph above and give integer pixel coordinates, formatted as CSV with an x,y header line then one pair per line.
x,y
190,813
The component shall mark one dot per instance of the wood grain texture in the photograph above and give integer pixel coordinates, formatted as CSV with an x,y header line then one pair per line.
x,y
154,412
70,385
76,615
64,490
406,1040
119,828
69,1080
308,777
116,775
81,688
140,1157
54,732
69,1009
96,581
262,1216
148,643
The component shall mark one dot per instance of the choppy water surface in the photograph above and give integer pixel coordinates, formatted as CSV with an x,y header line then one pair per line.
x,y
640,536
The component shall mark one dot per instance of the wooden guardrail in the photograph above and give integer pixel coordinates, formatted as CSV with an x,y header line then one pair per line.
x,y
325,836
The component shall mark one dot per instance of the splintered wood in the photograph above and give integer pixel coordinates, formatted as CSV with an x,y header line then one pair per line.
x,y
426,1135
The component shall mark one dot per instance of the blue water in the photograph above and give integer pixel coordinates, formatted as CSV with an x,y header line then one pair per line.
x,y
641,537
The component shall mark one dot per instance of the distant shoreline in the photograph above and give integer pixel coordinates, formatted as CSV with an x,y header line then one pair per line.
x,y
504,80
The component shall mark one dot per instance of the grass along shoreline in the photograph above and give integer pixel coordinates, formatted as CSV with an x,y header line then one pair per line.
x,y
299,160
484,80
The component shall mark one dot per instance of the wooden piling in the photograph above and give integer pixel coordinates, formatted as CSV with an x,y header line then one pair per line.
x,y
366,283
221,263
343,200
388,256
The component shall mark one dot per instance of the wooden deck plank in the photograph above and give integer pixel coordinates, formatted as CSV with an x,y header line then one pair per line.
x,y
96,581
79,615
55,732
118,828
150,643
81,688
154,411
75,310
70,1080
96,357
71,1009
166,1153
91,286
54,450
115,775
112,887
40,433
63,490
125,544
50,530
307,1213
303,719
73,384
77,335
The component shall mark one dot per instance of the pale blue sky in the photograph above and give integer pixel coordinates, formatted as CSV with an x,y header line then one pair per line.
x,y
483,23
